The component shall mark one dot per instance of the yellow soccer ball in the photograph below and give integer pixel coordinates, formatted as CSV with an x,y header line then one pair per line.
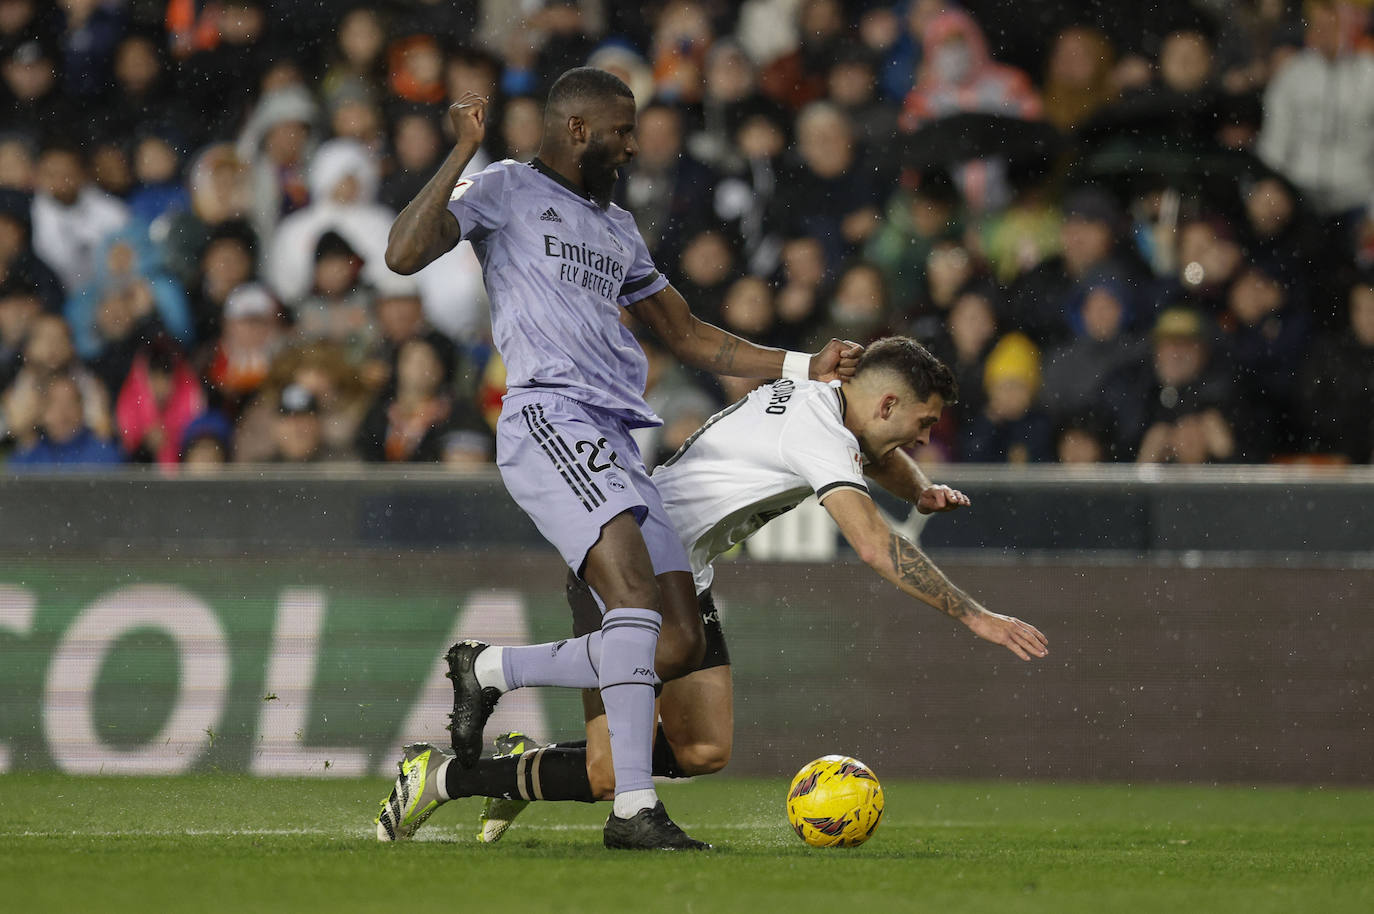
x,y
835,801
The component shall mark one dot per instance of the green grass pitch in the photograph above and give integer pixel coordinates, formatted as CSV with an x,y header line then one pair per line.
x,y
206,844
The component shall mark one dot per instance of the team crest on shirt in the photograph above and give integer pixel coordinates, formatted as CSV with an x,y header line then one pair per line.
x,y
858,460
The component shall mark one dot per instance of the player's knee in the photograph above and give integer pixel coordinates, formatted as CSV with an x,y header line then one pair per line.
x,y
631,589
680,651
702,758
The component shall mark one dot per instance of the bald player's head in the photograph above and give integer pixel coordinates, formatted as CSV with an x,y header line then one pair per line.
x,y
589,124
582,88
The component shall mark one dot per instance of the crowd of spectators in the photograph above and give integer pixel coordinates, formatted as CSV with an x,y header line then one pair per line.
x,y
1135,231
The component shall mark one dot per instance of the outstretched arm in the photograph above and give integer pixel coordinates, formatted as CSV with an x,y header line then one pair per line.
x,y
425,230
900,561
901,475
706,346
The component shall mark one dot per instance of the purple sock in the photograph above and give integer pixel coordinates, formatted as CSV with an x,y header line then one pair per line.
x,y
572,663
627,680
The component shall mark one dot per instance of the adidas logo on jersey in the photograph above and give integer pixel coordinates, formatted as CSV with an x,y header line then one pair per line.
x,y
549,215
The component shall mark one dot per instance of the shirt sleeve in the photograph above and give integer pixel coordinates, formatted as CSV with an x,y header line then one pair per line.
x,y
822,452
478,202
642,278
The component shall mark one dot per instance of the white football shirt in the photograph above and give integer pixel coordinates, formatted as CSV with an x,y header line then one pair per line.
x,y
754,460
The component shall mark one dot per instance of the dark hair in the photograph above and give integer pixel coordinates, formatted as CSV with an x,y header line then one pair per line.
x,y
1196,22
914,364
857,265
850,52
163,353
1089,420
743,112
16,286
587,84
472,56
938,187
239,231
62,145
332,244
658,103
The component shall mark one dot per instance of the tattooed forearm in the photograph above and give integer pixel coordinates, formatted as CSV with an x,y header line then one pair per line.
x,y
724,360
920,574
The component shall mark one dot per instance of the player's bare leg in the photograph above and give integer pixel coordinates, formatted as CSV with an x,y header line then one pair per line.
x,y
682,641
698,717
600,771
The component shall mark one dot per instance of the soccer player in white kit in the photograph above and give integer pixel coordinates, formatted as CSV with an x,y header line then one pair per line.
x,y
749,463
755,460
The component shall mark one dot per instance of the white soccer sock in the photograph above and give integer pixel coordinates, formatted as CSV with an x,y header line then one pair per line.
x,y
489,670
632,801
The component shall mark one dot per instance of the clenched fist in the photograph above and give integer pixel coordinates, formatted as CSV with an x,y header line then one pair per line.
x,y
468,117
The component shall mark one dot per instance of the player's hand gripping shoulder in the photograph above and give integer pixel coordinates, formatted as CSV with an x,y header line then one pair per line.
x,y
837,361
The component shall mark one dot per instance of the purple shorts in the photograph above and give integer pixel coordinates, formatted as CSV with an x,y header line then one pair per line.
x,y
573,467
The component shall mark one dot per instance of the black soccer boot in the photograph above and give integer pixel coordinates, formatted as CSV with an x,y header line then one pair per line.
x,y
472,704
649,830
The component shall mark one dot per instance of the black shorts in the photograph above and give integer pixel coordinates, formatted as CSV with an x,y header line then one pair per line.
x,y
587,619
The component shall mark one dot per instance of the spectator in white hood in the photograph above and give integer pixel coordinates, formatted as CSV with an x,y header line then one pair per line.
x,y
343,190
276,143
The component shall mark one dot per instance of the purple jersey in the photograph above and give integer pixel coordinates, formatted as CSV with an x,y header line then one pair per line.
x,y
558,269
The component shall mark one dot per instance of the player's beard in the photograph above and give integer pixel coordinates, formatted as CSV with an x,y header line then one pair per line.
x,y
599,171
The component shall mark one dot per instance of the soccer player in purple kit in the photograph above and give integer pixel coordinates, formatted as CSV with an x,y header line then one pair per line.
x,y
560,261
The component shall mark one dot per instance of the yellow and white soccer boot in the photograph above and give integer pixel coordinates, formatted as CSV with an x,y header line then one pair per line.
x,y
415,795
498,812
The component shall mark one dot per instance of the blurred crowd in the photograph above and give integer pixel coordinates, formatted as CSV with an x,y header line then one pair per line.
x,y
1136,232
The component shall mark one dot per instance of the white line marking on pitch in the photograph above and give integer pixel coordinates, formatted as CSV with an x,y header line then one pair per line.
x,y
443,831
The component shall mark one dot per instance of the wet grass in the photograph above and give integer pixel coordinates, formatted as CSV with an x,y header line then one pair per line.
x,y
236,844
